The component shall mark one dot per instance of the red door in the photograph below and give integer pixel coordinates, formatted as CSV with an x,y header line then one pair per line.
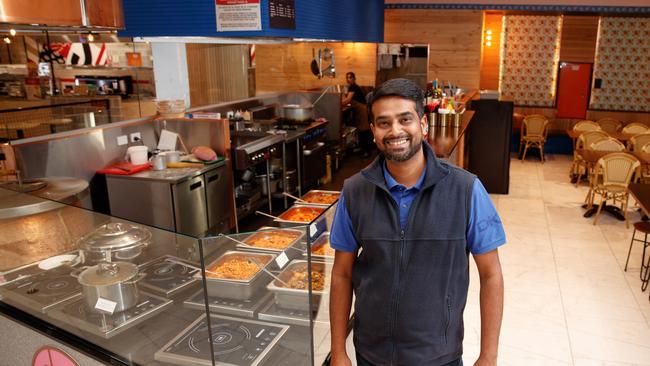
x,y
573,90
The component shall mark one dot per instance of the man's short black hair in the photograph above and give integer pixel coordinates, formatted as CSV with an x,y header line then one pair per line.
x,y
350,73
402,88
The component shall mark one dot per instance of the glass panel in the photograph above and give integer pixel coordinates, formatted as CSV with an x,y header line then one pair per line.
x,y
121,286
258,299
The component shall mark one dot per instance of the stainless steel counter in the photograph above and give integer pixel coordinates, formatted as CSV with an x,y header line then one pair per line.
x,y
171,175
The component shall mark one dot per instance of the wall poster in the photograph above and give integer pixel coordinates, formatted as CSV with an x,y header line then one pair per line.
x,y
238,15
282,14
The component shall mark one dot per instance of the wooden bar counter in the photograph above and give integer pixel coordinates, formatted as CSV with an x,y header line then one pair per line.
x,y
449,142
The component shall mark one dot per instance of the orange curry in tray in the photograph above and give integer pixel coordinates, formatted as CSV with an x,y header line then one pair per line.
x,y
302,214
273,239
322,247
236,268
323,198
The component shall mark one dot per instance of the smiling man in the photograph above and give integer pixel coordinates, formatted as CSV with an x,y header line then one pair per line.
x,y
403,231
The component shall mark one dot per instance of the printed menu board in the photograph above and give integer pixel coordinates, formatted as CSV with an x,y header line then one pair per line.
x,y
282,14
238,15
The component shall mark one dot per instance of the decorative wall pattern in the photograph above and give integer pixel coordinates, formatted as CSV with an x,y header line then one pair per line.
x,y
623,65
529,59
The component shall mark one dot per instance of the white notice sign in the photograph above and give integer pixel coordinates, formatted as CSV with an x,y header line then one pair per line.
x,y
238,15
105,305
281,260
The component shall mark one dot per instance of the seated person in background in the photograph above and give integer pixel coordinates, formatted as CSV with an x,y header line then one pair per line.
x,y
355,98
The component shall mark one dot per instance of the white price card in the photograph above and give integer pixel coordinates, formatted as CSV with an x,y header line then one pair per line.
x,y
105,305
282,260
312,230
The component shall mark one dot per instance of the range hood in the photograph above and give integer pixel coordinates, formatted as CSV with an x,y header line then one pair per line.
x,y
98,14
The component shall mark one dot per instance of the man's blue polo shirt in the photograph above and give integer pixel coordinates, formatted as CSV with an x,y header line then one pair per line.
x,y
484,231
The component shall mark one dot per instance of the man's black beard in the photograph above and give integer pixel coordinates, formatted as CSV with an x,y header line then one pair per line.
x,y
413,149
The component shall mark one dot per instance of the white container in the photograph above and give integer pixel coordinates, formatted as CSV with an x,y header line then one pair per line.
x,y
137,155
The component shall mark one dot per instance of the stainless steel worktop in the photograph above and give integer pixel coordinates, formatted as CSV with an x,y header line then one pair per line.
x,y
171,175
15,204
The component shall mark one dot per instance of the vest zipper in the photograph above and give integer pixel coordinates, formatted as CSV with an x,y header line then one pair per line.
x,y
396,283
448,317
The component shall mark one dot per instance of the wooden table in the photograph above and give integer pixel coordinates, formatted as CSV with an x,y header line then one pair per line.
x,y
641,193
620,136
58,122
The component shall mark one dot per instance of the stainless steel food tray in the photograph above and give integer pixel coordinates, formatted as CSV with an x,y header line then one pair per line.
x,y
291,298
288,223
323,239
301,234
303,202
238,289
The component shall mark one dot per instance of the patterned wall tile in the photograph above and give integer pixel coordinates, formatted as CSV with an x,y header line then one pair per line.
x,y
529,61
623,65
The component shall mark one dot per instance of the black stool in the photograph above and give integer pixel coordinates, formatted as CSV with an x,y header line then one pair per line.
x,y
644,274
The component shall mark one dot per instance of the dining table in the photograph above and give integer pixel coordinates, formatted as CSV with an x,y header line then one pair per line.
x,y
57,122
619,135
641,193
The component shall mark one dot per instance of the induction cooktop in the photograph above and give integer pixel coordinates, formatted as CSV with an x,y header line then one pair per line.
x,y
241,342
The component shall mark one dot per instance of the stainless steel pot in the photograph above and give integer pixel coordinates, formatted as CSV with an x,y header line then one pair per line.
x,y
115,282
297,113
115,241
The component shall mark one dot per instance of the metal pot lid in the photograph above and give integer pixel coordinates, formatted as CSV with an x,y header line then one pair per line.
x,y
106,273
115,235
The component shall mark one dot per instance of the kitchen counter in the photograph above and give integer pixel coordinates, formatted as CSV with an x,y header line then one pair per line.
x,y
171,175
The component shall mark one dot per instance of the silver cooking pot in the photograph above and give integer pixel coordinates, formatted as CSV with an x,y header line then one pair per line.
x,y
297,113
116,282
115,241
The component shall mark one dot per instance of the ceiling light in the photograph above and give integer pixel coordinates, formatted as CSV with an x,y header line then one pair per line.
x,y
91,37
12,32
7,40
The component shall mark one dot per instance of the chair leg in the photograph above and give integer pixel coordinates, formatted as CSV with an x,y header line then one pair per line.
x,y
644,266
600,207
525,149
629,251
624,209
577,173
541,152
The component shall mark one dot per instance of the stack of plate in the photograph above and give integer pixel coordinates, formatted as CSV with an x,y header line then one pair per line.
x,y
171,108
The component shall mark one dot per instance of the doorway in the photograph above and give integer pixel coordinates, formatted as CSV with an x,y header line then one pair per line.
x,y
574,87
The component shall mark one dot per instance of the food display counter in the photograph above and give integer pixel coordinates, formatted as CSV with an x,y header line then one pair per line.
x,y
129,294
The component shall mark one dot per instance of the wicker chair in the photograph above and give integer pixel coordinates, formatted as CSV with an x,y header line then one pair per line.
x,y
616,171
607,144
586,125
609,125
585,140
636,142
534,129
635,128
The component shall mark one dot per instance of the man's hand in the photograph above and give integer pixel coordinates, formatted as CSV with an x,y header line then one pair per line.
x,y
486,361
340,359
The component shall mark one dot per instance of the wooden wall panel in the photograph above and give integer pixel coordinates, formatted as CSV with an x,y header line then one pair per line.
x,y
579,34
217,73
285,67
491,56
454,38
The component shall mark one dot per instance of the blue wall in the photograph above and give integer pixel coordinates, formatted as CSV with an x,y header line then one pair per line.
x,y
346,20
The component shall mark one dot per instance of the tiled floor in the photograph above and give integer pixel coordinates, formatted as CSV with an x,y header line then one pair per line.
x,y
567,299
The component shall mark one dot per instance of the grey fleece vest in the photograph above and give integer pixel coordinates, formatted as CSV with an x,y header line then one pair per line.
x,y
411,285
